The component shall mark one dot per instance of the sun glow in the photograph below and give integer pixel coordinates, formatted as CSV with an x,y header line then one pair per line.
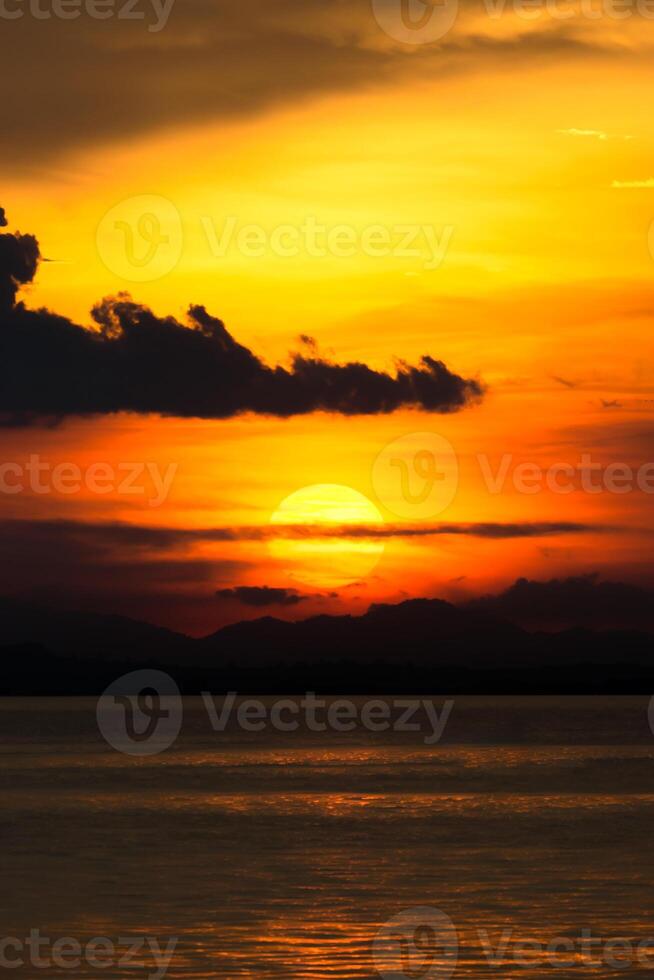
x,y
326,562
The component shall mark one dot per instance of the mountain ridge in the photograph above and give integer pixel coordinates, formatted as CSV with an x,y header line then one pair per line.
x,y
421,641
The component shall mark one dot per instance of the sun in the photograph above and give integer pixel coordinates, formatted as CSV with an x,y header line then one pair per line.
x,y
326,562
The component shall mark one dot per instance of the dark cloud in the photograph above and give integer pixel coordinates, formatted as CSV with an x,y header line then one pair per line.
x,y
497,531
578,601
260,596
308,341
213,60
154,573
527,529
137,362
42,561
117,566
219,60
46,549
112,569
3,220
93,540
19,258
566,382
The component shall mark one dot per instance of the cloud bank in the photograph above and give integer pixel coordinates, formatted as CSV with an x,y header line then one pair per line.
x,y
134,361
582,600
260,596
218,61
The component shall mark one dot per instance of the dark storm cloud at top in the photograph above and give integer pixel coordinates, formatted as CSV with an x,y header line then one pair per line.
x,y
137,362
216,60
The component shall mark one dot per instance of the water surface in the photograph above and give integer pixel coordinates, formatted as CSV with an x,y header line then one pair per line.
x,y
283,855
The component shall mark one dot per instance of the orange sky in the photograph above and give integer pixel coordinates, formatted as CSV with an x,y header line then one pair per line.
x,y
535,276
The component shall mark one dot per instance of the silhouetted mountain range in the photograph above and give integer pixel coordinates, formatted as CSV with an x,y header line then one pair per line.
x,y
91,635
419,645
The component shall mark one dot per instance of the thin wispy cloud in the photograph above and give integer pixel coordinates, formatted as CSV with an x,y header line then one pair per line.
x,y
592,133
261,596
597,134
566,382
633,184
104,538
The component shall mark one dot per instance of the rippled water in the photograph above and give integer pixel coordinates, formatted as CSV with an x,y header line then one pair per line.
x,y
276,855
